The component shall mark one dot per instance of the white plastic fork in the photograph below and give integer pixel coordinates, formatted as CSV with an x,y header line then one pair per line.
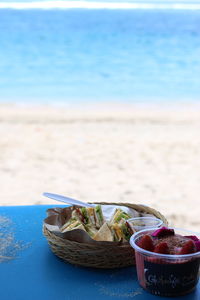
x,y
67,200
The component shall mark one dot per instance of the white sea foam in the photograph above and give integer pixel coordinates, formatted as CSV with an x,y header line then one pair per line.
x,y
98,5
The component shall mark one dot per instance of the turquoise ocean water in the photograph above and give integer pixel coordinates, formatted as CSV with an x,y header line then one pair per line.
x,y
65,55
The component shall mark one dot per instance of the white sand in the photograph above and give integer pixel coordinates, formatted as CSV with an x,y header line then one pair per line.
x,y
146,155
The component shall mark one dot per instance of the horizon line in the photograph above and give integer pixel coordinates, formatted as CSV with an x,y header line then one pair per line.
x,y
97,5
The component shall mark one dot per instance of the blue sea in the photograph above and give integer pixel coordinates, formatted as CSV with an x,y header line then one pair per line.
x,y
65,55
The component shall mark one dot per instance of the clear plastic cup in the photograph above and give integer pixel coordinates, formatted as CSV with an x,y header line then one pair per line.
x,y
141,223
164,274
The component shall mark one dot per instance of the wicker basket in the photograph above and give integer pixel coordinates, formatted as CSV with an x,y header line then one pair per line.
x,y
97,256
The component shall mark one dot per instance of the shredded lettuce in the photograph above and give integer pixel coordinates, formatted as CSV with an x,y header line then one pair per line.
x,y
84,213
99,212
126,232
122,215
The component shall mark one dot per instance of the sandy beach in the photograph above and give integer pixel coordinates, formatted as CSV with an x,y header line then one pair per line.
x,y
148,155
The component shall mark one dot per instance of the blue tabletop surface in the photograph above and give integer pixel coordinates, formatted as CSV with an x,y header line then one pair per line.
x,y
36,273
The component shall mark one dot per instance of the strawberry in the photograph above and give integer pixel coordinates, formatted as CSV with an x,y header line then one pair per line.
x,y
162,248
146,243
188,247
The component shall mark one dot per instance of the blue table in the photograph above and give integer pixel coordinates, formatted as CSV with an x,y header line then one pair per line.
x,y
35,273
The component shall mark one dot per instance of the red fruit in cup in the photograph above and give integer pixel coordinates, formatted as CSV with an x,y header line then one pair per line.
x,y
163,231
162,248
197,244
188,247
196,241
192,237
146,243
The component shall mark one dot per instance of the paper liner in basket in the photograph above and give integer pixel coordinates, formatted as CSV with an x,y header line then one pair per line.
x,y
57,217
